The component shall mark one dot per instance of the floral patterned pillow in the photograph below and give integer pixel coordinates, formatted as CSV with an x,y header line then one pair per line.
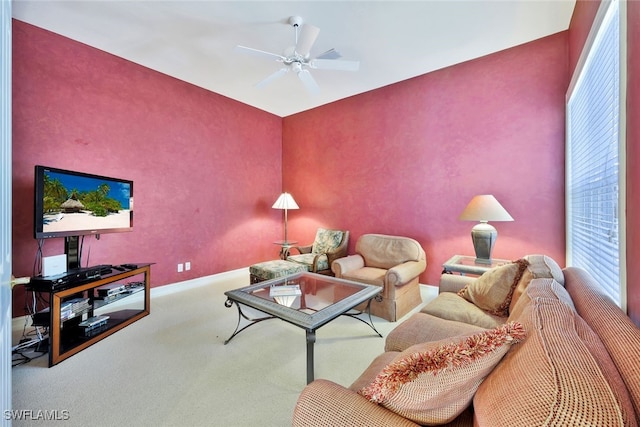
x,y
326,241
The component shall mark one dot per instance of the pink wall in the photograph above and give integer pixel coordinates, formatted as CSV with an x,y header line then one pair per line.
x,y
192,157
583,15
633,159
407,158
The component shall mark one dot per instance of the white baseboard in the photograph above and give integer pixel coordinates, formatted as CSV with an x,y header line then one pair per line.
x,y
200,281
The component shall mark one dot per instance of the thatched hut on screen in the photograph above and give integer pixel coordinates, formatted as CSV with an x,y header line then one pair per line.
x,y
72,206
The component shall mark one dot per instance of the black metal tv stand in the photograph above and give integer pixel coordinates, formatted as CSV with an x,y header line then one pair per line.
x,y
81,315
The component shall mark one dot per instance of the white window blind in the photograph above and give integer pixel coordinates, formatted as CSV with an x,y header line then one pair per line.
x,y
593,147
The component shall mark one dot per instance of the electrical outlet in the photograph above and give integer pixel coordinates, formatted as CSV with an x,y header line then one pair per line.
x,y
187,265
180,267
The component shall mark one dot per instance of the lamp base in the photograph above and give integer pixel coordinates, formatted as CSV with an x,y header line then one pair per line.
x,y
484,236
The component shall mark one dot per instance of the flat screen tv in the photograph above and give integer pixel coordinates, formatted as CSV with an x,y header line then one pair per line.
x,y
71,203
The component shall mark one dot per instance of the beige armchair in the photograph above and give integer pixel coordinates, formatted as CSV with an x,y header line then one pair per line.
x,y
328,246
392,262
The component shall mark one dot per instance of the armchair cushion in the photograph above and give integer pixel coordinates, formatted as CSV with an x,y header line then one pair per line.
x,y
387,251
368,275
433,383
326,240
308,259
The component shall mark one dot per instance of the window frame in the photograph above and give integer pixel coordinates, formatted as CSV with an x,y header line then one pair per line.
x,y
622,88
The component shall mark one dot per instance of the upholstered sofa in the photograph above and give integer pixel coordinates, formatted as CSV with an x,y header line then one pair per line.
x,y
391,262
567,355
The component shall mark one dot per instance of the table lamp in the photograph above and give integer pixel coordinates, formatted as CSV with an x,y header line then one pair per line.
x,y
286,202
484,208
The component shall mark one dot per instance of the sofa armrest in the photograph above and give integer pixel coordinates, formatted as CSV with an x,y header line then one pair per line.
x,y
348,263
453,282
325,403
405,272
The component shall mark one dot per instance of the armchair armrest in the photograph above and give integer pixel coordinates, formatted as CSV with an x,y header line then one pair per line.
x,y
405,272
340,251
348,263
302,249
454,282
325,403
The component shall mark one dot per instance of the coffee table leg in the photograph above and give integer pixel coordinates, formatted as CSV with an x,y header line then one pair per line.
x,y
228,303
311,339
368,313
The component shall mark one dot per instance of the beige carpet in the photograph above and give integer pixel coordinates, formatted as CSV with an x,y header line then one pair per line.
x,y
172,368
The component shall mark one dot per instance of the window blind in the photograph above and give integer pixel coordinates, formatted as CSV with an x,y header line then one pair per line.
x,y
593,147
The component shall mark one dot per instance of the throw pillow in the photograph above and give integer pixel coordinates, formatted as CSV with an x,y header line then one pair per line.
x,y
493,290
432,383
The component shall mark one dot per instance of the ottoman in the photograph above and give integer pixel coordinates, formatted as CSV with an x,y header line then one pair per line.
x,y
272,269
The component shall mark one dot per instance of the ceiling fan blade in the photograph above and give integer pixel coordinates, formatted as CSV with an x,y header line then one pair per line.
x,y
332,64
257,52
309,82
308,36
330,54
281,72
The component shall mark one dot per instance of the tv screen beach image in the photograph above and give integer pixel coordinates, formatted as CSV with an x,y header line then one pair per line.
x,y
74,202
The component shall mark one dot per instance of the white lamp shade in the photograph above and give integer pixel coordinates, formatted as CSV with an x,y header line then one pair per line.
x,y
485,208
285,201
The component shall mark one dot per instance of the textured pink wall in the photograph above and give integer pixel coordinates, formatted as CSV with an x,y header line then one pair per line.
x,y
407,158
583,15
192,157
633,159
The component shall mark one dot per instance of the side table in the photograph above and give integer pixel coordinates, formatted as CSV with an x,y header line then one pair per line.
x,y
467,265
284,247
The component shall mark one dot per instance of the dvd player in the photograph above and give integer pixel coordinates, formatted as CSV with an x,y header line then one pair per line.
x,y
69,279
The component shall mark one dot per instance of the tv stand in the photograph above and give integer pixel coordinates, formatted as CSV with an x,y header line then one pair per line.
x,y
72,250
82,315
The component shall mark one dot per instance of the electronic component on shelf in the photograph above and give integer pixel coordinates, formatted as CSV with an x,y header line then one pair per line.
x,y
94,322
111,289
73,307
65,280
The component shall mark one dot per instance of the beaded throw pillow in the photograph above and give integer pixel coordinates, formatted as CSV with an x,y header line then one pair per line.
x,y
432,383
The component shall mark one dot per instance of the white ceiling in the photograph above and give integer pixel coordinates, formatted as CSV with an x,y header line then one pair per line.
x,y
393,40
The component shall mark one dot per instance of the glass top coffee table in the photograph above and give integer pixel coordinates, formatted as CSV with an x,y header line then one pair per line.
x,y
307,300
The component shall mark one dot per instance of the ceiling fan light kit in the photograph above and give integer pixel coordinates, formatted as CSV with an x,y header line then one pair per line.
x,y
298,58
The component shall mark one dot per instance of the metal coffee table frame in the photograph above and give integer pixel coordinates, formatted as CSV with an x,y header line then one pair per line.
x,y
310,322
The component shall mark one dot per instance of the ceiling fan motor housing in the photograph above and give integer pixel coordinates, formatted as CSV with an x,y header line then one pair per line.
x,y
296,21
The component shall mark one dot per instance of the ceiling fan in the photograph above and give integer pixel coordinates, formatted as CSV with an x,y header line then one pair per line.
x,y
297,58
